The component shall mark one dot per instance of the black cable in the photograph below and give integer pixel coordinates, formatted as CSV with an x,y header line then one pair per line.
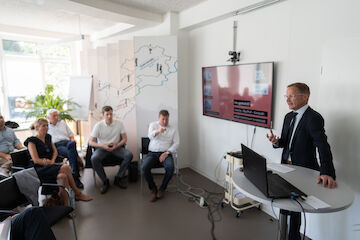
x,y
252,139
213,205
212,222
304,216
247,135
212,201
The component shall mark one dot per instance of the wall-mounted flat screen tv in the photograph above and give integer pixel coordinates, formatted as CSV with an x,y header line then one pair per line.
x,y
240,93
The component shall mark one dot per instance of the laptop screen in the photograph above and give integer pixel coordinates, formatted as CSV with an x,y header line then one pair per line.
x,y
20,158
255,169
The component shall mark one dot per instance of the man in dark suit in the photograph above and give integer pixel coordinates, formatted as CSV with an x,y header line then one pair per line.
x,y
302,133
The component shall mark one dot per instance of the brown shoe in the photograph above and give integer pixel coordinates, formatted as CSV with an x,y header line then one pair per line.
x,y
160,194
153,195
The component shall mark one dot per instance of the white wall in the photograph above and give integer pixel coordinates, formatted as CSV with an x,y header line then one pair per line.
x,y
169,26
300,37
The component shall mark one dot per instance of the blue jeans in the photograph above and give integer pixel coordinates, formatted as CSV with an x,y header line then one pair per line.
x,y
151,161
100,154
67,148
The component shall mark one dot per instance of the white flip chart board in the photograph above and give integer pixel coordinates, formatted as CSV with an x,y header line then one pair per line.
x,y
80,92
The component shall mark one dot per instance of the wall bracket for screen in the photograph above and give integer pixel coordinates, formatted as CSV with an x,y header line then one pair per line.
x,y
235,56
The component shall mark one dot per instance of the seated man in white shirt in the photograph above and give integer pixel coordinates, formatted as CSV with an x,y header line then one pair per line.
x,y
109,138
65,144
164,140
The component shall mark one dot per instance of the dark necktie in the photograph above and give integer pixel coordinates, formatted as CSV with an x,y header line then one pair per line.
x,y
288,137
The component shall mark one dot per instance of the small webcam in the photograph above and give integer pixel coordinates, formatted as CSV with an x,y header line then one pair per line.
x,y
235,56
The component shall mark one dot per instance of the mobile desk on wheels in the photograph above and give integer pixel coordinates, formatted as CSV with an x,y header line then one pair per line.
x,y
239,203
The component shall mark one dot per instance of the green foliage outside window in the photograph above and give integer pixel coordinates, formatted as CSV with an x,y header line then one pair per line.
x,y
18,47
49,100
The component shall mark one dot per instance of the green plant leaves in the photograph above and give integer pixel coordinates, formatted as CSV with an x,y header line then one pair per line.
x,y
48,100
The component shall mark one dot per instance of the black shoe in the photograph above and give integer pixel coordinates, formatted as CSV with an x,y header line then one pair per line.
x,y
105,187
78,183
120,182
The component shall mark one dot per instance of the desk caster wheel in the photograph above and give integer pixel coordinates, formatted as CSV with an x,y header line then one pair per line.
x,y
259,207
238,214
222,204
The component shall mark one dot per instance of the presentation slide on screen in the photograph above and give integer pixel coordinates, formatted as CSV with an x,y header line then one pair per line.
x,y
240,93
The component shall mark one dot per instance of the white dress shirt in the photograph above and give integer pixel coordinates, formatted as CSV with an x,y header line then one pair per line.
x,y
165,141
60,131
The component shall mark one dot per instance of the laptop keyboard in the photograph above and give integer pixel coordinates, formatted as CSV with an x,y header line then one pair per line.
x,y
279,187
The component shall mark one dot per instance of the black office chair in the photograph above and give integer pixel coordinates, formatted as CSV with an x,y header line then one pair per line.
x,y
22,160
108,162
145,141
14,198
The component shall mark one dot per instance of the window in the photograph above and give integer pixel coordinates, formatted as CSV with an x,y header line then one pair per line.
x,y
57,69
20,48
27,68
23,81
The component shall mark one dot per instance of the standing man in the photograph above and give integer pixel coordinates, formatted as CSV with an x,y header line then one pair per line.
x,y
109,138
302,133
8,142
65,144
164,141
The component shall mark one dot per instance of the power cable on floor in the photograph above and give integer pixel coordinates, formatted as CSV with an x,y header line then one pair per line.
x,y
205,199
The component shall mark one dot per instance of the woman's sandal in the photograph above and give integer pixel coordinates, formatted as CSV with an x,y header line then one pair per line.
x,y
83,197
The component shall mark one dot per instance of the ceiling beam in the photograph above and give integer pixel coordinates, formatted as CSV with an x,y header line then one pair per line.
x,y
113,11
32,33
210,11
110,31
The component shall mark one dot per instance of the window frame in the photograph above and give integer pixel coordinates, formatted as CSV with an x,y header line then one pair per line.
x,y
4,94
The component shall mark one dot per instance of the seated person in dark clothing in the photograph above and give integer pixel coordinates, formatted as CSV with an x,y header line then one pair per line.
x,y
43,152
65,143
27,225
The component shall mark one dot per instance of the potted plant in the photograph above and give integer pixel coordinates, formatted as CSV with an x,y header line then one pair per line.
x,y
49,100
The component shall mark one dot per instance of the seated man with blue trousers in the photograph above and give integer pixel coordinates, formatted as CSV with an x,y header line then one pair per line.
x,y
164,141
64,141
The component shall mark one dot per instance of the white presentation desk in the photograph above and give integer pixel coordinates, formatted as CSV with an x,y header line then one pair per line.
x,y
304,179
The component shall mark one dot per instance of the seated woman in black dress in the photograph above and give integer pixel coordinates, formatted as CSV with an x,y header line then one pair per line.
x,y
43,152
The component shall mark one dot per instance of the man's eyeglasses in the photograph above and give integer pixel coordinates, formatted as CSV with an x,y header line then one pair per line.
x,y
292,95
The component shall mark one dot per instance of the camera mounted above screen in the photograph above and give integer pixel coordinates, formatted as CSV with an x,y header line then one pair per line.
x,y
235,57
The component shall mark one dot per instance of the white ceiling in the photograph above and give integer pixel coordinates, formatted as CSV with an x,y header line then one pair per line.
x,y
60,18
47,16
160,6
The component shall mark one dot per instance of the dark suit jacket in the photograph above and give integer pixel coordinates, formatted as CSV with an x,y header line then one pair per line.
x,y
309,135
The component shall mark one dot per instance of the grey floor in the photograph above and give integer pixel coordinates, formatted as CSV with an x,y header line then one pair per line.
x,y
128,214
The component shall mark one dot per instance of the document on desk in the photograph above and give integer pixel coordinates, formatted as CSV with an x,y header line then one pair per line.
x,y
316,203
282,168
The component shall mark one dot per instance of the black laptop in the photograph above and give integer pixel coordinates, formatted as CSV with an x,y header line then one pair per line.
x,y
270,184
20,158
